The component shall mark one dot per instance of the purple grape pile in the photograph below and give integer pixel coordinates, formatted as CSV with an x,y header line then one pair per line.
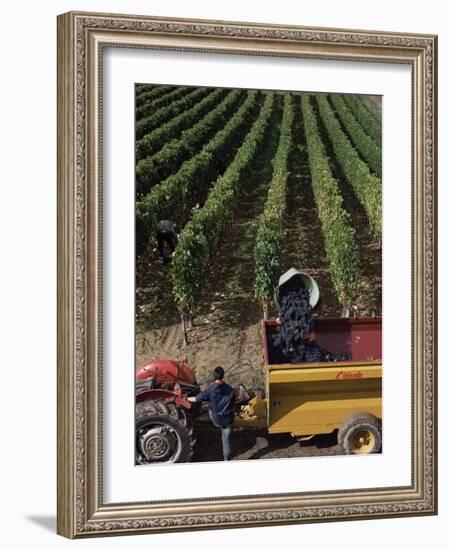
x,y
289,345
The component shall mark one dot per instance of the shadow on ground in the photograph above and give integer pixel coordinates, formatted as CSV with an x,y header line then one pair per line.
x,y
46,522
250,444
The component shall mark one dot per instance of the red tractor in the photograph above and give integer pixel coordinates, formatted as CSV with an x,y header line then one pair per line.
x,y
164,431
164,416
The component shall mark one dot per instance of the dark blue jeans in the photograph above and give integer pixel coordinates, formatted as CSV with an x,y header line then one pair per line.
x,y
225,438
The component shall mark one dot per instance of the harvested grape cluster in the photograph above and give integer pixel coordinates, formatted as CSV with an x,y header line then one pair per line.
x,y
289,344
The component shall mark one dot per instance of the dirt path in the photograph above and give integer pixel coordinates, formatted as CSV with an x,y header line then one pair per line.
x,y
250,444
304,244
369,298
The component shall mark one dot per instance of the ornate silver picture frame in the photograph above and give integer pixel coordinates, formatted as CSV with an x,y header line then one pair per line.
x,y
82,509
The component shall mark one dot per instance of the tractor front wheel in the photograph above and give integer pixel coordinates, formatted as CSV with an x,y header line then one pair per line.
x,y
163,433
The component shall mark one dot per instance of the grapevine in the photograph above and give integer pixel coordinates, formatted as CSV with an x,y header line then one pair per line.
x,y
186,97
368,149
337,231
268,247
167,160
367,187
201,236
366,119
155,140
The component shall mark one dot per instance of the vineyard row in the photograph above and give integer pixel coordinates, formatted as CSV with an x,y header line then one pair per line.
x,y
174,197
367,187
270,232
149,94
167,160
337,231
201,236
368,149
173,103
366,119
156,139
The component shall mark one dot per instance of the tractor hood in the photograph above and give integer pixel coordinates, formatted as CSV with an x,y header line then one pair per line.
x,y
166,371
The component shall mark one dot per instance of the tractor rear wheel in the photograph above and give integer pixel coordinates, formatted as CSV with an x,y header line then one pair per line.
x,y
163,433
361,433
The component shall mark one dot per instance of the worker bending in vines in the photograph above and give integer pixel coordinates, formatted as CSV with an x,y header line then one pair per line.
x,y
221,398
166,234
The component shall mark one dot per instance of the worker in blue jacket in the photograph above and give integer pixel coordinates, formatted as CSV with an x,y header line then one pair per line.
x,y
221,398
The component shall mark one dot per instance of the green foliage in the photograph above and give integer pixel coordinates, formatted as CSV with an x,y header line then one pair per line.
x,y
366,119
200,238
367,187
337,231
168,106
146,94
152,104
167,160
155,140
173,197
372,107
140,88
269,237
368,149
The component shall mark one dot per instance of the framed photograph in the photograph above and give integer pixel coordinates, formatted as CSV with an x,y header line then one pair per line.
x,y
246,274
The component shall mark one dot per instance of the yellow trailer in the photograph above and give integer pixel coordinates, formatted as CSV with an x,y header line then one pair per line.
x,y
306,399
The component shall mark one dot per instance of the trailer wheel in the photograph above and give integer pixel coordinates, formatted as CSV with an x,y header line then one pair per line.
x,y
163,433
360,433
